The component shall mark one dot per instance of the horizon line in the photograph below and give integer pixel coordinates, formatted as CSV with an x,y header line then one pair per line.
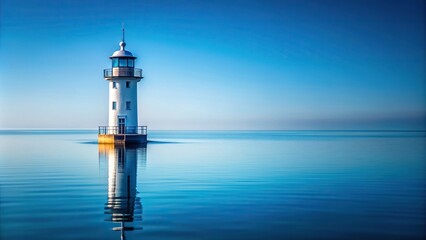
x,y
217,130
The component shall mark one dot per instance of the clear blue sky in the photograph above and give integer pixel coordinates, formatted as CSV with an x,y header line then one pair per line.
x,y
217,64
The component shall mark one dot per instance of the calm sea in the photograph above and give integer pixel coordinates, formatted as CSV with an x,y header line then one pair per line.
x,y
214,185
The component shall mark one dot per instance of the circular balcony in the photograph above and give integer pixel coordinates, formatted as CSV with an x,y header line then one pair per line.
x,y
118,72
128,130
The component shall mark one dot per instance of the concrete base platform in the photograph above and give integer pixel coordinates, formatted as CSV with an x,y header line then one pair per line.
x,y
122,138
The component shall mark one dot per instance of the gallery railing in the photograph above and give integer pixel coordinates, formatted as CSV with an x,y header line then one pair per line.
x,y
123,72
104,130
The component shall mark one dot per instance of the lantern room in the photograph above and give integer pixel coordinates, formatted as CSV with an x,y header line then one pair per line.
x,y
123,65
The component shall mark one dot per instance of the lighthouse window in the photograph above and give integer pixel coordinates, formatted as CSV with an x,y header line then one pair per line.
x,y
130,62
114,85
127,105
123,62
115,62
114,105
127,84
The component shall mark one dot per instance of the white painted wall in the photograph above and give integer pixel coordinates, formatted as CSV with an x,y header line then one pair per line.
x,y
121,95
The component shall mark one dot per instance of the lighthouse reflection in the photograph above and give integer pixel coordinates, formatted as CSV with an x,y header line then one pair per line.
x,y
123,205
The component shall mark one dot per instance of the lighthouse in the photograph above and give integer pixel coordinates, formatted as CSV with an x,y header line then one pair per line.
x,y
122,80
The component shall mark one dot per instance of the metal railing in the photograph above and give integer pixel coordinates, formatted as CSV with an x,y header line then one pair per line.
x,y
123,72
105,130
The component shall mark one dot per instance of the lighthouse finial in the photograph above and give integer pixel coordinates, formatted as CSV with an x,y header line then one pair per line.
x,y
122,43
122,27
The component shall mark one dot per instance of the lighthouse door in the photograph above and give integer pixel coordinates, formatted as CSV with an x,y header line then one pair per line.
x,y
121,125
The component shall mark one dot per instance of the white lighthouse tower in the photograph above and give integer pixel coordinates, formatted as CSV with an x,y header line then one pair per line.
x,y
122,78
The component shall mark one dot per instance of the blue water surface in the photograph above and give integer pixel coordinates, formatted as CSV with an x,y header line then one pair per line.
x,y
214,185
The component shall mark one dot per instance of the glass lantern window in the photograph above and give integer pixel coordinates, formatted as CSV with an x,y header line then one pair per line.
x,y
122,62
115,62
130,62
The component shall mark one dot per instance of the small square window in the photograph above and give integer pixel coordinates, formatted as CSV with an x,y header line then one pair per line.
x,y
114,85
130,62
127,84
114,105
127,105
